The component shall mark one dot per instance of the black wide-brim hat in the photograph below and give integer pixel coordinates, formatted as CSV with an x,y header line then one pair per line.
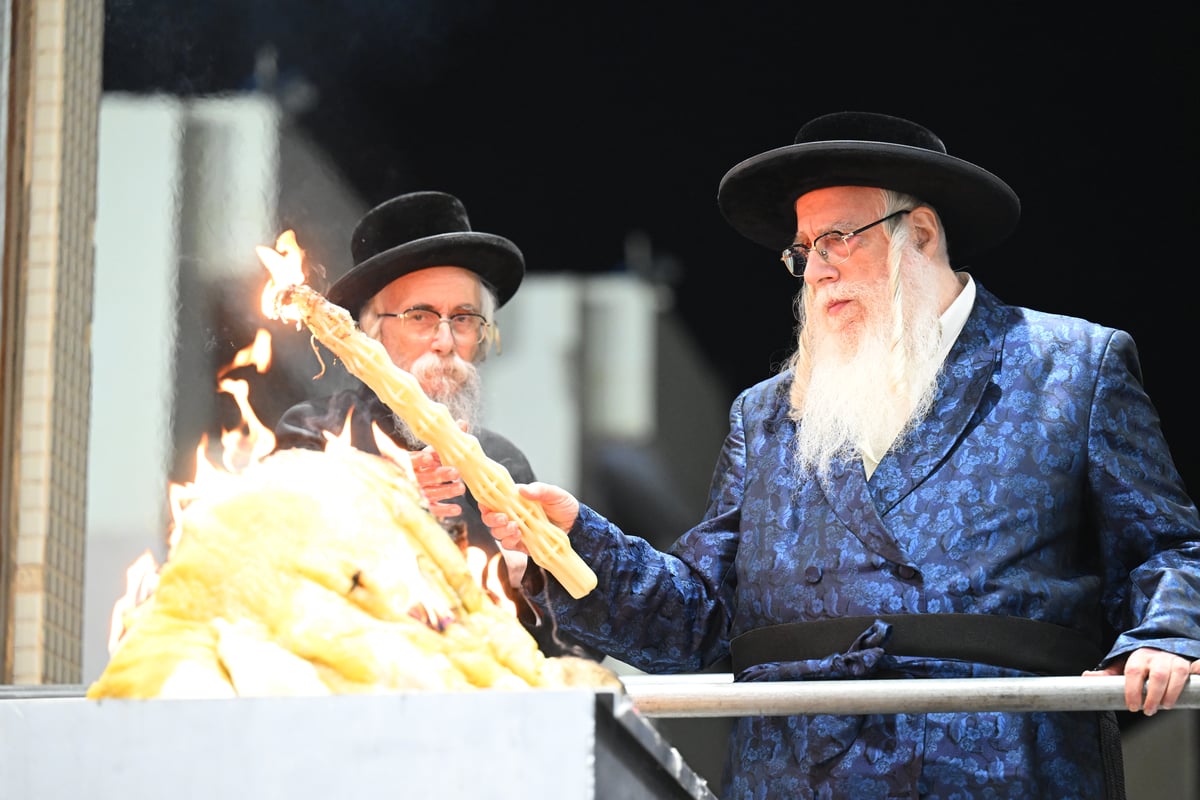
x,y
857,148
420,230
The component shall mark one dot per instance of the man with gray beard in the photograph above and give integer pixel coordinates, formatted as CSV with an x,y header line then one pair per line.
x,y
427,286
846,405
937,485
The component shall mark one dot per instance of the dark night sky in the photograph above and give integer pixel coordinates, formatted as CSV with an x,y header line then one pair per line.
x,y
564,129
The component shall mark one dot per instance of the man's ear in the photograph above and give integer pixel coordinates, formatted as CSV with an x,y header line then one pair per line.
x,y
491,342
925,227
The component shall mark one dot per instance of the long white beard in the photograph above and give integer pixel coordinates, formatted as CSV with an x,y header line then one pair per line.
x,y
451,381
863,391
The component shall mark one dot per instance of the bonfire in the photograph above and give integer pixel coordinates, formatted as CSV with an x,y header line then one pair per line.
x,y
307,572
314,573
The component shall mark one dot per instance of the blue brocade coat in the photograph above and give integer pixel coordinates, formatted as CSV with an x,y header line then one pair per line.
x,y
1039,486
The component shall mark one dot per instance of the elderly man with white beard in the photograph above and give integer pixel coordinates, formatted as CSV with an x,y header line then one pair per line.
x,y
427,286
936,485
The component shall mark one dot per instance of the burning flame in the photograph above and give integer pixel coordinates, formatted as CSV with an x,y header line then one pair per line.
x,y
256,354
180,494
141,579
241,446
286,266
251,441
487,574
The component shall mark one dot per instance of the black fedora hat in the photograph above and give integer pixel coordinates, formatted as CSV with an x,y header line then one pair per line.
x,y
420,230
858,148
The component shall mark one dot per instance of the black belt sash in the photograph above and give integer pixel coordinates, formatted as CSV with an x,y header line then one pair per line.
x,y
1012,642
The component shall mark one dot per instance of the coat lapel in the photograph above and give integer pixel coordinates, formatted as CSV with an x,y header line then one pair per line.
x,y
846,490
963,389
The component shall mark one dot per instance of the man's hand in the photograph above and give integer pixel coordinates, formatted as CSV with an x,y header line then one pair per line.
x,y
560,506
437,482
1154,679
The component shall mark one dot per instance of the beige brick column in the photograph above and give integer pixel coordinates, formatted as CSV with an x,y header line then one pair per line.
x,y
47,309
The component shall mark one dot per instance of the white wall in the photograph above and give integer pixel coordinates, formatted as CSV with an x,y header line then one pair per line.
x,y
531,388
133,339
149,149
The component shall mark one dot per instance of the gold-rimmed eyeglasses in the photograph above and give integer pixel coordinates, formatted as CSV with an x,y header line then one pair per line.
x,y
422,323
833,247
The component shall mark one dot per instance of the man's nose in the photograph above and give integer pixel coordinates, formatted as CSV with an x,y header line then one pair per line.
x,y
818,269
443,337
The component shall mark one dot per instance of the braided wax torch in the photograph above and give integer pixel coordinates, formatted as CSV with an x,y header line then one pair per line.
x,y
289,299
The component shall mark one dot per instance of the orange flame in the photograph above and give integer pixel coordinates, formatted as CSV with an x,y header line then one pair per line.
x,y
495,586
252,441
257,353
340,441
285,263
487,575
141,579
179,495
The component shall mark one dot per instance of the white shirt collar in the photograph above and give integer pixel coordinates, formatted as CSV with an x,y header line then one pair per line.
x,y
953,319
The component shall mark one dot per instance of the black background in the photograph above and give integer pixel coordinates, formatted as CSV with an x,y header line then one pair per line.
x,y
566,128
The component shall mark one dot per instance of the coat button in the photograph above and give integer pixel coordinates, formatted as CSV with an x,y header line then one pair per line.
x,y
812,573
906,572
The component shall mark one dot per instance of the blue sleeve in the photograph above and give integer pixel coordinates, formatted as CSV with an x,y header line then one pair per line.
x,y
1149,531
660,612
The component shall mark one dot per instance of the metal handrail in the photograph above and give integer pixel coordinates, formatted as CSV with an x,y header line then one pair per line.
x,y
716,695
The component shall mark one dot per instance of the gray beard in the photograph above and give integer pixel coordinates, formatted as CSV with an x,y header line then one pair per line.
x,y
461,393
866,391
848,405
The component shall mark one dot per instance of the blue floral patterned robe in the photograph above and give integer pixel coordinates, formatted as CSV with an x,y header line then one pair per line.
x,y
1039,486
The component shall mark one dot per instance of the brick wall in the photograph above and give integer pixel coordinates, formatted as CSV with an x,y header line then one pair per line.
x,y
57,52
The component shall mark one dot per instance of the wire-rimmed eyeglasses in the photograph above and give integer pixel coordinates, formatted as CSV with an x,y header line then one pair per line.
x,y
422,323
833,247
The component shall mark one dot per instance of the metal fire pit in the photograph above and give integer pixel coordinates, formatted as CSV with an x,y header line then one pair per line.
x,y
569,743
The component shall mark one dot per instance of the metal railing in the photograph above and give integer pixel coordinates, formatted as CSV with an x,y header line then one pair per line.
x,y
716,695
